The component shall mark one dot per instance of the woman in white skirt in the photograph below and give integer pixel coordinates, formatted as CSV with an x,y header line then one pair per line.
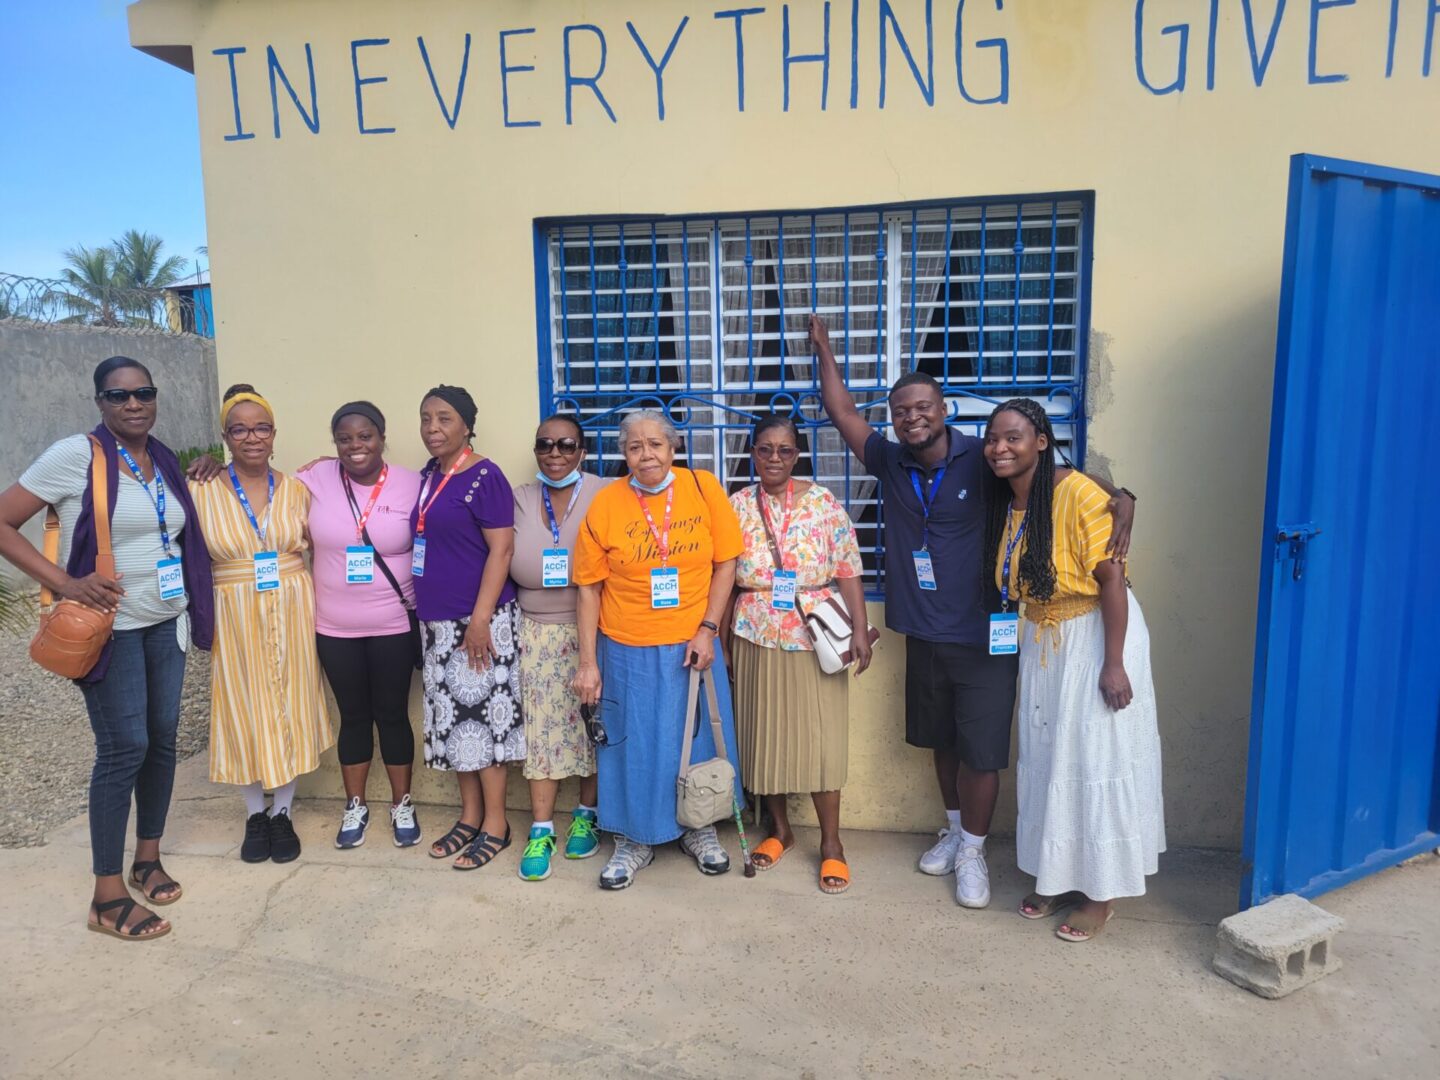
x,y
1091,823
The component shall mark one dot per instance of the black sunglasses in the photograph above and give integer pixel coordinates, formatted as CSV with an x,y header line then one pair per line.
x,y
143,394
593,727
566,446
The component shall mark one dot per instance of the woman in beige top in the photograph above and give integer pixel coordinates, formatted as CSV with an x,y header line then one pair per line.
x,y
548,514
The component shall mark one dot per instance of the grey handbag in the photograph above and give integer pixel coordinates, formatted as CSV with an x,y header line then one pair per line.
x,y
705,791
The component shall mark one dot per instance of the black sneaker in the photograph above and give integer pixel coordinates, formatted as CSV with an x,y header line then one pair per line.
x,y
256,847
284,844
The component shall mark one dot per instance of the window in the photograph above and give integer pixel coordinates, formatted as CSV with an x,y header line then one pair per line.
x,y
707,319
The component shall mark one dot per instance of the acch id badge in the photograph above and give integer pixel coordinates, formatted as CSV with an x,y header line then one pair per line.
x,y
924,570
554,568
359,564
665,587
1004,633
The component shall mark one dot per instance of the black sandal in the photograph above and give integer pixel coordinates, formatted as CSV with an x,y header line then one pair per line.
x,y
455,841
141,872
484,848
136,932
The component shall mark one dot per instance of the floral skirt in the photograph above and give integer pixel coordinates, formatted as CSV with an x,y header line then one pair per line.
x,y
473,719
556,745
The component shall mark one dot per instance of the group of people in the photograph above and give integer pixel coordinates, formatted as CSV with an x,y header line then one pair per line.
x,y
564,624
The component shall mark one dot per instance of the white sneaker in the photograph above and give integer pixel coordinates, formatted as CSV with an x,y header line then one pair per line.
x,y
940,859
703,845
628,860
972,878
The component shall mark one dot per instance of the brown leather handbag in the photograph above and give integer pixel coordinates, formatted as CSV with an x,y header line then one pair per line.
x,y
72,636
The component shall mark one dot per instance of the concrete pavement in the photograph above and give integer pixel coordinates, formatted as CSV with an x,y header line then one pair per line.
x,y
381,962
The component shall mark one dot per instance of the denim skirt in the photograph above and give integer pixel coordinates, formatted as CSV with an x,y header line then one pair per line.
x,y
642,706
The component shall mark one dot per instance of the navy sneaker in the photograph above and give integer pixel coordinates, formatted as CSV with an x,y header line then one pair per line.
x,y
284,844
353,825
402,819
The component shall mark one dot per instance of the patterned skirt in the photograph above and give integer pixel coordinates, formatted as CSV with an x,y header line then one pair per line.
x,y
473,719
556,745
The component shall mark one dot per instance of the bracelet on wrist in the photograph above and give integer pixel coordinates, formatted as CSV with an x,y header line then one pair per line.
x,y
708,625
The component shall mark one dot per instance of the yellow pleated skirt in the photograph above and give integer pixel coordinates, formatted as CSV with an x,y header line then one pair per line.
x,y
792,721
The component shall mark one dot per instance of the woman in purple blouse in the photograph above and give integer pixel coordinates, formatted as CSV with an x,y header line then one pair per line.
x,y
469,625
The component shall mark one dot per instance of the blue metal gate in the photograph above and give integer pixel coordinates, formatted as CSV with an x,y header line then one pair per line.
x,y
1343,748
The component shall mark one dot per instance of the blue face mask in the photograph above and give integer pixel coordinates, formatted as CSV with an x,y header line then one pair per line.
x,y
569,479
669,479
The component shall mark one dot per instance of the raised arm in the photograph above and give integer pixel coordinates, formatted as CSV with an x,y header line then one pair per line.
x,y
839,405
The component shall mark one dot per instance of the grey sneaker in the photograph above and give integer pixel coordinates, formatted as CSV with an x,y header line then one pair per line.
x,y
940,859
627,861
972,878
703,845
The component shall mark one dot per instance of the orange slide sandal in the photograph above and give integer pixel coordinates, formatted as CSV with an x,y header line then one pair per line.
x,y
771,850
833,870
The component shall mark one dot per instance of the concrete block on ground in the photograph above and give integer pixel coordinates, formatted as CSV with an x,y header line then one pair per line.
x,y
1278,947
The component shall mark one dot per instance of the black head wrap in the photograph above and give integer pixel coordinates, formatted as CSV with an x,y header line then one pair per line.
x,y
459,399
359,408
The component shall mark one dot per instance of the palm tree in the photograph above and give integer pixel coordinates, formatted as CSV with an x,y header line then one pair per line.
x,y
94,292
138,264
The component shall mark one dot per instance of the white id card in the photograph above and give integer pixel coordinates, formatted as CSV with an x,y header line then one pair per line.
x,y
267,571
554,568
1004,634
359,564
665,587
924,570
171,576
417,558
782,591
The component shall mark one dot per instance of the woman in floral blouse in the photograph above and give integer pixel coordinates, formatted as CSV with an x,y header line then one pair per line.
x,y
791,718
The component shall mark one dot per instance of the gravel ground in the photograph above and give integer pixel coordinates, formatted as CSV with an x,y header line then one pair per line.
x,y
48,747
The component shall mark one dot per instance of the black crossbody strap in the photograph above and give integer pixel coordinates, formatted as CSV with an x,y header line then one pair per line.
x,y
365,535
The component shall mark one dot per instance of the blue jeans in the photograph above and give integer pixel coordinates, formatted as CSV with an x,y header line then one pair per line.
x,y
134,712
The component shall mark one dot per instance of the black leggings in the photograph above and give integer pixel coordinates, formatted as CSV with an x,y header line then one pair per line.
x,y
371,679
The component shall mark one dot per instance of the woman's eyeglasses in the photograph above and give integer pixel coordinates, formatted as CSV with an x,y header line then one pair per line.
x,y
784,453
143,394
239,432
565,446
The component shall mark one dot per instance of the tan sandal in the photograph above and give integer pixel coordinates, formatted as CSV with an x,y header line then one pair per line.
x,y
1082,928
165,893
1042,906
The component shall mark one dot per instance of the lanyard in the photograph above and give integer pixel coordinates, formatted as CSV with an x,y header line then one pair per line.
x,y
776,539
574,498
662,536
355,512
245,503
926,503
426,504
1010,550
157,497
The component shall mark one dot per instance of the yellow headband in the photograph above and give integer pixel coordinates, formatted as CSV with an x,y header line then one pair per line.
x,y
230,402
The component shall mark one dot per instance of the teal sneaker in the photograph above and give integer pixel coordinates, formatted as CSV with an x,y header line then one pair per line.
x,y
583,840
535,863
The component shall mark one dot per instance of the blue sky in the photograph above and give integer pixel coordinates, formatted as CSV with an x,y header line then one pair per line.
x,y
96,138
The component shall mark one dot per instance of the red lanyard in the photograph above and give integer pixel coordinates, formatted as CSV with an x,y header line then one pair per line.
x,y
662,536
427,503
762,500
370,504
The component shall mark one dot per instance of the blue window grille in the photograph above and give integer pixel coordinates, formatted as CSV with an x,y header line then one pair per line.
x,y
706,318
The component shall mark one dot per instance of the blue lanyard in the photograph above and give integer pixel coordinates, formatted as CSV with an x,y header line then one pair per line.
x,y
1010,550
550,508
157,497
245,503
926,503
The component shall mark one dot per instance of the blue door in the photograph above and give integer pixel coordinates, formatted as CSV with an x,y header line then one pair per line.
x,y
1343,748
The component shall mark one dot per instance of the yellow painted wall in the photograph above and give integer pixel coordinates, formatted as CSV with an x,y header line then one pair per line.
x,y
349,264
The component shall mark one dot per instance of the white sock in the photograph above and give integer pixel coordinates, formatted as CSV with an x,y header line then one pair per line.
x,y
548,826
254,798
284,797
582,806
953,817
971,840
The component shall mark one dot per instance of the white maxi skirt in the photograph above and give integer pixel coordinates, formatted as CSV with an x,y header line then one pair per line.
x,y
1088,778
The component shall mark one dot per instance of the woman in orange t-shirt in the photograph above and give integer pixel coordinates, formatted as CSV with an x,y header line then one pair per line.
x,y
655,565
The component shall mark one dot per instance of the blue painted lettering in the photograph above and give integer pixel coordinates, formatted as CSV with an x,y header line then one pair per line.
x,y
739,14
592,81
233,51
1210,45
658,69
821,58
926,82
506,70
1260,61
360,84
1183,29
1003,94
1430,15
854,54
450,117
312,118
1317,6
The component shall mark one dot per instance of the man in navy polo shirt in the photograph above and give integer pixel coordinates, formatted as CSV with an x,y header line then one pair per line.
x,y
959,699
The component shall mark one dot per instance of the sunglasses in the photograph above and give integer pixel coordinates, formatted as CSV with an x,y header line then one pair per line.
x,y
593,727
784,453
565,446
239,432
143,394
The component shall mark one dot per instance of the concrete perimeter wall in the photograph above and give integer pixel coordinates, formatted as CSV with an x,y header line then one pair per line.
x,y
47,370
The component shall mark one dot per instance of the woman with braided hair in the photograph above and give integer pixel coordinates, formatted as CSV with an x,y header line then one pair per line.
x,y
1091,822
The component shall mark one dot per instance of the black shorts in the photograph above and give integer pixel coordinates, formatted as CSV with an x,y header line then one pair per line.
x,y
958,697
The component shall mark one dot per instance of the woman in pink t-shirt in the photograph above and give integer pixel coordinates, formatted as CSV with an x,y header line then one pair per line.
x,y
364,610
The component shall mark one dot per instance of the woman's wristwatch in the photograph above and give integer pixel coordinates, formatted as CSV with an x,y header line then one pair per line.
x,y
708,625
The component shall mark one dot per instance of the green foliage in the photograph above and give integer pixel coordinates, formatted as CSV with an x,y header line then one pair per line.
x,y
120,283
187,456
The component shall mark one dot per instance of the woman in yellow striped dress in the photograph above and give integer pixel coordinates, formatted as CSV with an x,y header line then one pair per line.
x,y
268,722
